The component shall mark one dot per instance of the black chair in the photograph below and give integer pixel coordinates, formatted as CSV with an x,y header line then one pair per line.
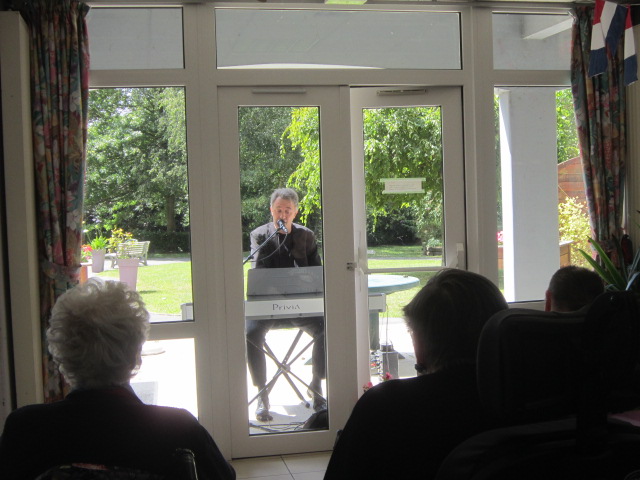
x,y
183,468
550,381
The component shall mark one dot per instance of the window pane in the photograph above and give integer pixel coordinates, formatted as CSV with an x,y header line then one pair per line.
x,y
405,219
531,42
284,308
135,38
536,237
392,354
337,39
168,374
136,196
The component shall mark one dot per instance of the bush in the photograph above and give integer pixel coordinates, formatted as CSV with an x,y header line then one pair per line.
x,y
397,228
165,242
574,226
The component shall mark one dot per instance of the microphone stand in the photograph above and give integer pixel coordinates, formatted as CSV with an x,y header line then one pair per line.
x,y
250,256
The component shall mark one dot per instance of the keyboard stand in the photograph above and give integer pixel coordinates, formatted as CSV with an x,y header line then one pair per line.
x,y
284,369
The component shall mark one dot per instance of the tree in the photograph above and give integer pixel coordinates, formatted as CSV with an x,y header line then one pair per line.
x,y
398,143
136,159
566,121
265,164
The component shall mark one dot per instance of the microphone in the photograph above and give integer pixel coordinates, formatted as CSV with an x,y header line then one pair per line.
x,y
281,225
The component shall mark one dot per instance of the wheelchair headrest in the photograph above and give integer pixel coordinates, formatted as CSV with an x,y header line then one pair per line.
x,y
535,366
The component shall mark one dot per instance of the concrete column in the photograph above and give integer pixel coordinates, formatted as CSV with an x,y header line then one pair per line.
x,y
529,190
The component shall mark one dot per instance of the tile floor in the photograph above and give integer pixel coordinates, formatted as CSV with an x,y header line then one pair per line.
x,y
307,466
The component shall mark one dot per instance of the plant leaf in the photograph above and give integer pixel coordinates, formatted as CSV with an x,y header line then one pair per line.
x,y
616,278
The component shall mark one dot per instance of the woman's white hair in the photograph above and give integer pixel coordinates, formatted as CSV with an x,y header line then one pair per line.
x,y
96,333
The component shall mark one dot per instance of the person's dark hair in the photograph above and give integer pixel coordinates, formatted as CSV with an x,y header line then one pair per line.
x,y
286,194
448,314
572,288
96,334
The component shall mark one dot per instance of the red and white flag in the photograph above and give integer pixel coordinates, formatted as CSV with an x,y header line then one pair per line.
x,y
608,23
630,58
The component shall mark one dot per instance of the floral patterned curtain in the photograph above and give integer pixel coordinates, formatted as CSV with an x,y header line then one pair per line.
x,y
600,118
59,53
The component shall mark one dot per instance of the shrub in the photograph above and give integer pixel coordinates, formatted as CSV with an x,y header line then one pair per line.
x,y
165,242
574,226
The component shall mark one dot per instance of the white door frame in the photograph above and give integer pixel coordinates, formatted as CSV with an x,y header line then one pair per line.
x,y
339,252
450,101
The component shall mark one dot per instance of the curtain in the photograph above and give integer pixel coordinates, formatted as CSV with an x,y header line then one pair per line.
x,y
59,53
600,119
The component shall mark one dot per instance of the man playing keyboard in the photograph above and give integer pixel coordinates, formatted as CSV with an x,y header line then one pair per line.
x,y
292,246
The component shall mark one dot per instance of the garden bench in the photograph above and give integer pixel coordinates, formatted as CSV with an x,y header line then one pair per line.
x,y
131,249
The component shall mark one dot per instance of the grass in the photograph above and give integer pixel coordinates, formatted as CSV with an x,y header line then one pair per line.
x,y
165,287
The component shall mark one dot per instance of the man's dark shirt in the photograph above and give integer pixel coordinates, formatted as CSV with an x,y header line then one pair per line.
x,y
297,249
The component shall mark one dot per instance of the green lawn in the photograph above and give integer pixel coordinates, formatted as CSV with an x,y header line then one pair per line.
x,y
165,287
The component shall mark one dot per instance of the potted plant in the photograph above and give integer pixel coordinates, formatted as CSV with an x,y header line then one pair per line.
x,y
126,263
99,250
118,236
627,276
85,253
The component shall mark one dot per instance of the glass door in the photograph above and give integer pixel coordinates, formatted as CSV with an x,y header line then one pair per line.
x,y
281,160
408,143
339,204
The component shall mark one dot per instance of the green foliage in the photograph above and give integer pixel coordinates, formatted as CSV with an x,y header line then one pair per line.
x,y
165,242
99,243
136,159
118,236
403,143
574,226
567,134
163,287
625,277
398,143
303,134
397,229
266,162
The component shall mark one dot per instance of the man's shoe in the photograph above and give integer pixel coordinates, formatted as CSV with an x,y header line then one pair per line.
x,y
262,411
319,403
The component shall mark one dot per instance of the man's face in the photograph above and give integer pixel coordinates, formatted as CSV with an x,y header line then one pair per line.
x,y
284,210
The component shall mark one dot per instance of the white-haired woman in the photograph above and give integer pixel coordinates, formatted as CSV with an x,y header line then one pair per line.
x,y
96,335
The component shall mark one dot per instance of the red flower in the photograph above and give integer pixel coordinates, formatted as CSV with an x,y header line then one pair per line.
x,y
367,386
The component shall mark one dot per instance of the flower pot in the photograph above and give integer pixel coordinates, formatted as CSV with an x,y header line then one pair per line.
x,y
84,272
97,260
128,269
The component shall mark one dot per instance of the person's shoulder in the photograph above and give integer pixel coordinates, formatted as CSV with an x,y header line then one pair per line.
x,y
390,390
453,378
171,413
262,229
28,417
302,229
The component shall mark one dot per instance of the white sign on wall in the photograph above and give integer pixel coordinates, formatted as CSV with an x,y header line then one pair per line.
x,y
402,185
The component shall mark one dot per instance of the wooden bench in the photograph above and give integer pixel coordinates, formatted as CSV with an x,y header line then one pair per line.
x,y
131,249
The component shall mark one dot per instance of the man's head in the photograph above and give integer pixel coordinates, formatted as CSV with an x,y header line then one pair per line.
x,y
284,206
572,288
446,317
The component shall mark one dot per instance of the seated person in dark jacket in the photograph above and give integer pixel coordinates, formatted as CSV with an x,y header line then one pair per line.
x,y
293,246
572,288
96,334
405,428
